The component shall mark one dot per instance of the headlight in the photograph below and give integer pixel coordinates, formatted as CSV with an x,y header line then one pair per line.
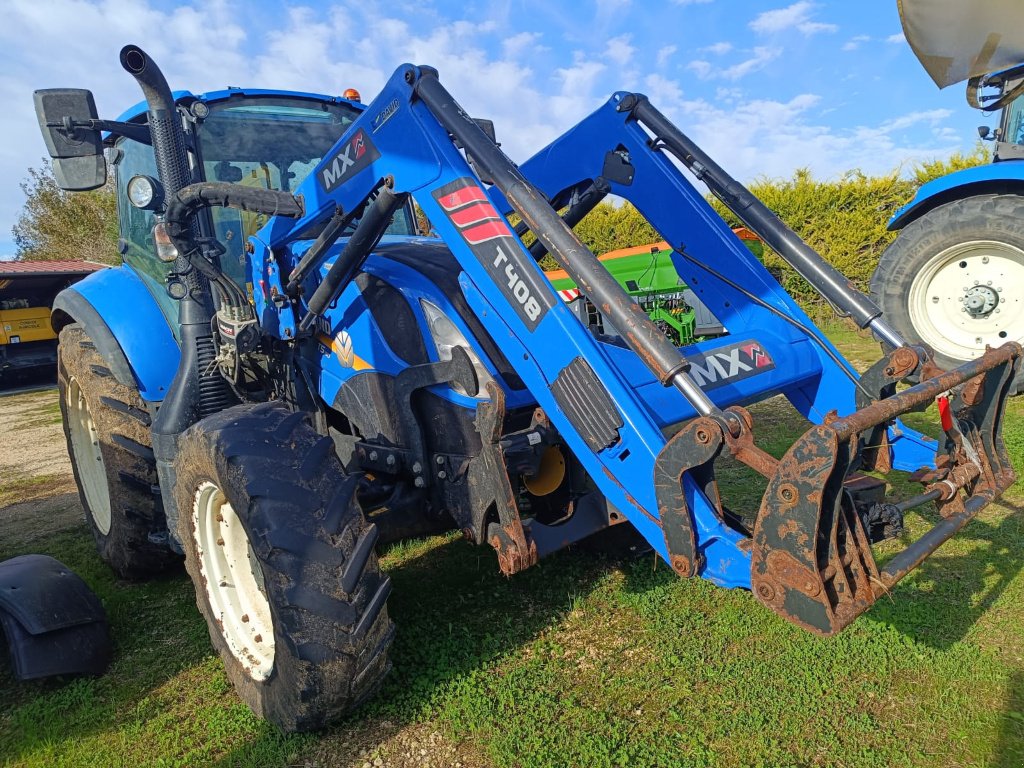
x,y
445,336
144,192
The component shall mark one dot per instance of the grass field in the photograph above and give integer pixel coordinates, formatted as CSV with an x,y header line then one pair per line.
x,y
589,659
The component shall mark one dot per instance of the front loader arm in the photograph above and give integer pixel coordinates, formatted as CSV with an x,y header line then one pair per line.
x,y
809,557
594,408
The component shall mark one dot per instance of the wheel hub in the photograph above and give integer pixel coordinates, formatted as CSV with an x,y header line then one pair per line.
x,y
980,300
967,297
88,456
234,582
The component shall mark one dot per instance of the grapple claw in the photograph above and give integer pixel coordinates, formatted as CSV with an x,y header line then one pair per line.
x,y
811,560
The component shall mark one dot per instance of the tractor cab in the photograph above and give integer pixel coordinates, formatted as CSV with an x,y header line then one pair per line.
x,y
257,138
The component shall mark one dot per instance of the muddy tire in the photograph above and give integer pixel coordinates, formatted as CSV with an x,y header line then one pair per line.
x,y
954,279
284,565
106,426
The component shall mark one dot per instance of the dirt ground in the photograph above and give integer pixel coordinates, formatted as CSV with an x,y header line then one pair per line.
x,y
35,473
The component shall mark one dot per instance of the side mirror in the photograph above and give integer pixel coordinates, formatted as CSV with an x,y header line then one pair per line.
x,y
76,149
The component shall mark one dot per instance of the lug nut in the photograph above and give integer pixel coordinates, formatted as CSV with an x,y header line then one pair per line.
x,y
442,475
439,460
390,460
373,455
419,482
245,618
417,468
984,260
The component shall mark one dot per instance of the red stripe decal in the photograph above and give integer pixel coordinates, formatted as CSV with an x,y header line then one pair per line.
x,y
461,197
474,214
486,231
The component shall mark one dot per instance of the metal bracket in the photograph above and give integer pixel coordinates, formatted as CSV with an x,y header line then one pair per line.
x,y
693,449
459,370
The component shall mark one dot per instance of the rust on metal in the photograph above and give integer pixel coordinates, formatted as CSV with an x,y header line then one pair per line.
x,y
742,446
888,409
691,451
902,362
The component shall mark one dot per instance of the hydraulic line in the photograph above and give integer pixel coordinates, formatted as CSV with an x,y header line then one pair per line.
x,y
825,278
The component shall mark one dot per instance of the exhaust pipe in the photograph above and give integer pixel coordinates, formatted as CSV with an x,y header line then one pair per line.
x,y
164,124
197,390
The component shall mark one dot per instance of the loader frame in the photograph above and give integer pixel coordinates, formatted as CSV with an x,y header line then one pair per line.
x,y
809,558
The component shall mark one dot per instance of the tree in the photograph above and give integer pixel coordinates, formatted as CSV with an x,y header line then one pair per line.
x,y
55,224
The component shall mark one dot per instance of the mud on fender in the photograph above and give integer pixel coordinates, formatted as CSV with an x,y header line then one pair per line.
x,y
53,622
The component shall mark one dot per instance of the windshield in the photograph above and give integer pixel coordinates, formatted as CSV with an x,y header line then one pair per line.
x,y
270,142
1012,122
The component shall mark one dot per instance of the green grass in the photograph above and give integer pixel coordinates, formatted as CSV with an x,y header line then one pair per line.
x,y
586,660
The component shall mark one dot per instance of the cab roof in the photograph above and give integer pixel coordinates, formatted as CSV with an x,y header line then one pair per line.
x,y
138,110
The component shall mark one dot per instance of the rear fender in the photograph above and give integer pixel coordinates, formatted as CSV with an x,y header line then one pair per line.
x,y
54,623
994,178
125,323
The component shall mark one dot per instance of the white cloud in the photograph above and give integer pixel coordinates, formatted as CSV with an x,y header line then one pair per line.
x,y
761,58
664,54
691,2
701,67
854,42
899,37
932,116
718,48
814,27
619,50
798,16
515,46
779,136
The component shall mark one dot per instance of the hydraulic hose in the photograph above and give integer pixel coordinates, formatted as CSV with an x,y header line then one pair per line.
x,y
182,206
369,230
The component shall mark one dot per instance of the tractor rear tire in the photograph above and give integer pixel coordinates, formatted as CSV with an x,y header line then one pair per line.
x,y
283,563
954,279
106,426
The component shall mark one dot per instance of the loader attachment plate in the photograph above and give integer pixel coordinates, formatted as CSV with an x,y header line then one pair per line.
x,y
812,561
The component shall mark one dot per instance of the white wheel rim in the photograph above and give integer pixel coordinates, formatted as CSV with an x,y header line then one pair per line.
x,y
234,582
968,297
88,458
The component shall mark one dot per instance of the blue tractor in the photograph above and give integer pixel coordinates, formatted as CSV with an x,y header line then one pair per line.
x,y
285,374
954,277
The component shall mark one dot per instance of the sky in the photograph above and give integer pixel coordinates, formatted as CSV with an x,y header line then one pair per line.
x,y
765,86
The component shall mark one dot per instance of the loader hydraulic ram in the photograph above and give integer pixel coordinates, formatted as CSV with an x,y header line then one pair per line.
x,y
645,420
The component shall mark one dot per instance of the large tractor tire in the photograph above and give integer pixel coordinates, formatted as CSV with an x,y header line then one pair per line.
x,y
284,565
106,425
954,279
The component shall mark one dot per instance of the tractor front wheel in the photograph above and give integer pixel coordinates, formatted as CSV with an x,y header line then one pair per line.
x,y
283,563
954,279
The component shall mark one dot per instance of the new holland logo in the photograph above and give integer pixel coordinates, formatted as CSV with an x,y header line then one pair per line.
x,y
341,346
730,364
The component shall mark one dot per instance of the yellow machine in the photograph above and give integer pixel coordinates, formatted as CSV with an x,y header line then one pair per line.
x,y
27,289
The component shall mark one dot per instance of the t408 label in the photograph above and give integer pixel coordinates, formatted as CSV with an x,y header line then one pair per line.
x,y
491,241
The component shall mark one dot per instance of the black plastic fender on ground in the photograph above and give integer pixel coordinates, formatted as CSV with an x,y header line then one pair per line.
x,y
53,622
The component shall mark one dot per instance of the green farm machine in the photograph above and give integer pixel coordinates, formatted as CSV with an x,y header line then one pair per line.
x,y
646,273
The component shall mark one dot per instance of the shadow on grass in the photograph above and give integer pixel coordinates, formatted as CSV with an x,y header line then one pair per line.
x,y
947,594
454,611
1009,750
